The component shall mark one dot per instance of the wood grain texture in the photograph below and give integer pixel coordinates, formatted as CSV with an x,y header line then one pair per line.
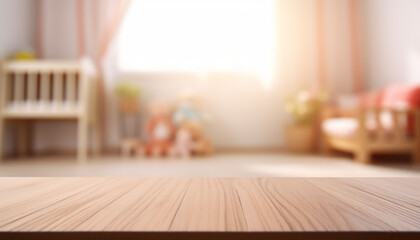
x,y
209,204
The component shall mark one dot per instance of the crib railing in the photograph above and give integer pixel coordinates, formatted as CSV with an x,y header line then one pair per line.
x,y
32,90
47,87
35,86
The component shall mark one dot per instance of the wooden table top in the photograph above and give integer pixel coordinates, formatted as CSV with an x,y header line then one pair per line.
x,y
218,205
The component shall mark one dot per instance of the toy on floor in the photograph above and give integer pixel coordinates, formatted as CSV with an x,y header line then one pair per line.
x,y
188,108
160,130
201,144
131,147
189,116
183,145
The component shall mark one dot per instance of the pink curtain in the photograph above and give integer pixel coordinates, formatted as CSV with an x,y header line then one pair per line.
x,y
78,28
104,18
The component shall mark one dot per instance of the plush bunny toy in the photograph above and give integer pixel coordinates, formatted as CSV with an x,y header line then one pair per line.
x,y
183,145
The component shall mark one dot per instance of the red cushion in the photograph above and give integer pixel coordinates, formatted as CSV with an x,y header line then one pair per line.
x,y
401,95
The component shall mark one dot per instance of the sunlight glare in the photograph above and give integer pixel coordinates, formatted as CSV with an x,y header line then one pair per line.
x,y
199,35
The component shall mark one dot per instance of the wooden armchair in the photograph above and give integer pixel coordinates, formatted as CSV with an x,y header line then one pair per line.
x,y
366,131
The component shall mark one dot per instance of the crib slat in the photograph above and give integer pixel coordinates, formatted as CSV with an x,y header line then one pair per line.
x,y
380,132
4,89
71,88
45,88
79,89
58,88
18,88
31,89
9,85
397,128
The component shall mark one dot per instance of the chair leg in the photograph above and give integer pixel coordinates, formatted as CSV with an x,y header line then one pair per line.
x,y
1,138
362,156
416,156
96,140
82,140
326,148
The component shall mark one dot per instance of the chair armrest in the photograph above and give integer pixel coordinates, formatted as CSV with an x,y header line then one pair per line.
x,y
412,122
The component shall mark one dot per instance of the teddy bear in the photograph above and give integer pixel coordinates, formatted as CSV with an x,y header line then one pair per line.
x,y
160,130
201,145
189,117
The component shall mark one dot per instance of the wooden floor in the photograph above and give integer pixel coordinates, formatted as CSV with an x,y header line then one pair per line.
x,y
167,206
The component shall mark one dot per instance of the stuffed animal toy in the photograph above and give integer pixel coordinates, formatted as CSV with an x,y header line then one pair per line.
x,y
160,130
188,108
201,144
188,116
183,143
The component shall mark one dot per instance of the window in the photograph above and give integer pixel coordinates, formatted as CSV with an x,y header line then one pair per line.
x,y
198,35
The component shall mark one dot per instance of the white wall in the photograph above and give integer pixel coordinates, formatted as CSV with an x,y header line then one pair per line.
x,y
60,29
392,41
338,52
17,26
17,32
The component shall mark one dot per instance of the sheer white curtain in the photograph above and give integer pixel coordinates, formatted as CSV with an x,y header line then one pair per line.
x,y
203,36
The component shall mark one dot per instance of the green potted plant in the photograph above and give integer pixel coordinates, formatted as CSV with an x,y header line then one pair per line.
x,y
128,97
303,108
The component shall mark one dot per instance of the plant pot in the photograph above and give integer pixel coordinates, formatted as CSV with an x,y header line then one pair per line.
x,y
128,105
300,138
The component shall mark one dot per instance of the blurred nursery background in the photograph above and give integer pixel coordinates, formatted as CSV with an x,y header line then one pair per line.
x,y
209,88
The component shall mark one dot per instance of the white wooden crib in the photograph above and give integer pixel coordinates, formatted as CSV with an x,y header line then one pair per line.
x,y
49,90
